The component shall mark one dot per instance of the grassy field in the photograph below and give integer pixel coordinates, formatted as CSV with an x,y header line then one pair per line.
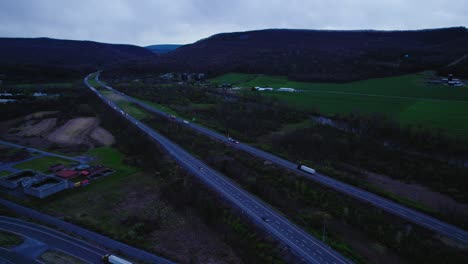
x,y
111,158
160,107
407,99
8,240
44,85
92,81
127,106
59,257
4,173
41,164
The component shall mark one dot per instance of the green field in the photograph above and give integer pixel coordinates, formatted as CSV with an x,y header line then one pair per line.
x,y
8,240
92,81
4,173
113,159
41,164
44,85
407,99
128,107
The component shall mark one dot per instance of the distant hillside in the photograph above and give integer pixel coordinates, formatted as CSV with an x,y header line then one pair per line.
x,y
163,48
53,57
315,55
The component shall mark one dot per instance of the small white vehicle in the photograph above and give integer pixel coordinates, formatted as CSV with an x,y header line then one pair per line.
x,y
233,140
185,121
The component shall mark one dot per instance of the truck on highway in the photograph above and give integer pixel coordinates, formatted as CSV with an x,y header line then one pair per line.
x,y
108,258
306,169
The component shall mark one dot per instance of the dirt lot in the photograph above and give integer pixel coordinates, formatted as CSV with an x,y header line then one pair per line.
x,y
44,129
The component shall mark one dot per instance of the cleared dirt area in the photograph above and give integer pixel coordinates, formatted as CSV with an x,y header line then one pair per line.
x,y
102,136
41,128
44,129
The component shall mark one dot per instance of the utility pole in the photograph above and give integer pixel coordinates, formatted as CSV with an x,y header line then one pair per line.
x,y
323,230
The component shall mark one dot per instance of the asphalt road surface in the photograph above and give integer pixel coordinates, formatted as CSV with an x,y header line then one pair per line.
x,y
53,239
100,240
404,212
307,247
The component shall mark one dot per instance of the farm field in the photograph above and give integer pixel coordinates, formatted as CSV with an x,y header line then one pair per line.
x,y
406,99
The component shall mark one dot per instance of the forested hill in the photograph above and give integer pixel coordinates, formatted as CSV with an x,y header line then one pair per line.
x,y
44,56
65,52
317,55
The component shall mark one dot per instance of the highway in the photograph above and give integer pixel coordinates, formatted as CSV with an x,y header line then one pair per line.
x,y
53,239
307,247
102,241
389,206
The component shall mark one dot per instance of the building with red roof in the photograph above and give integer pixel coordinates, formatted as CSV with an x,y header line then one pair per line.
x,y
66,174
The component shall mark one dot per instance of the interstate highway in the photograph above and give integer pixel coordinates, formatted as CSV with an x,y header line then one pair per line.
x,y
389,206
305,246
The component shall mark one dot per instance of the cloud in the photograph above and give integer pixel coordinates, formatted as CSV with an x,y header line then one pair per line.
x,y
145,22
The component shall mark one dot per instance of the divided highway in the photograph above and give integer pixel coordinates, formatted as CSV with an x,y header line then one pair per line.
x,y
404,212
310,249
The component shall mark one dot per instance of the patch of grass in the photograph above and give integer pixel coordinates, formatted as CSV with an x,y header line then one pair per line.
x,y
112,158
41,164
128,107
9,240
159,106
4,173
133,110
92,81
44,85
198,107
59,257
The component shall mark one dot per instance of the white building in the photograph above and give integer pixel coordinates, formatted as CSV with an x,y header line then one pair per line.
x,y
263,88
290,90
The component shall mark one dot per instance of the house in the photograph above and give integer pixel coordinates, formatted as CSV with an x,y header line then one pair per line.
x,y
290,90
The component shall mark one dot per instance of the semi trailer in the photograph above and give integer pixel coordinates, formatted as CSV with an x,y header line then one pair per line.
x,y
108,258
306,169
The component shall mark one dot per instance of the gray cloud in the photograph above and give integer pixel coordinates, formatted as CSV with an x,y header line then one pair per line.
x,y
145,22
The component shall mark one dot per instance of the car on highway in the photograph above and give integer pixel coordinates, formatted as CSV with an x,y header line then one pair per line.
x,y
185,121
233,140
266,219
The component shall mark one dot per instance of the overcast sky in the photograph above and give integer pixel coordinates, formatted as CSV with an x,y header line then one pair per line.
x,y
145,22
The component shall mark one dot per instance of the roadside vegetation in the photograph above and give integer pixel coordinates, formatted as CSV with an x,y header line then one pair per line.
x,y
9,240
313,206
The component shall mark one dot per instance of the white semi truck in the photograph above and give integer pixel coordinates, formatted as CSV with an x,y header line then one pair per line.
x,y
108,258
306,169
